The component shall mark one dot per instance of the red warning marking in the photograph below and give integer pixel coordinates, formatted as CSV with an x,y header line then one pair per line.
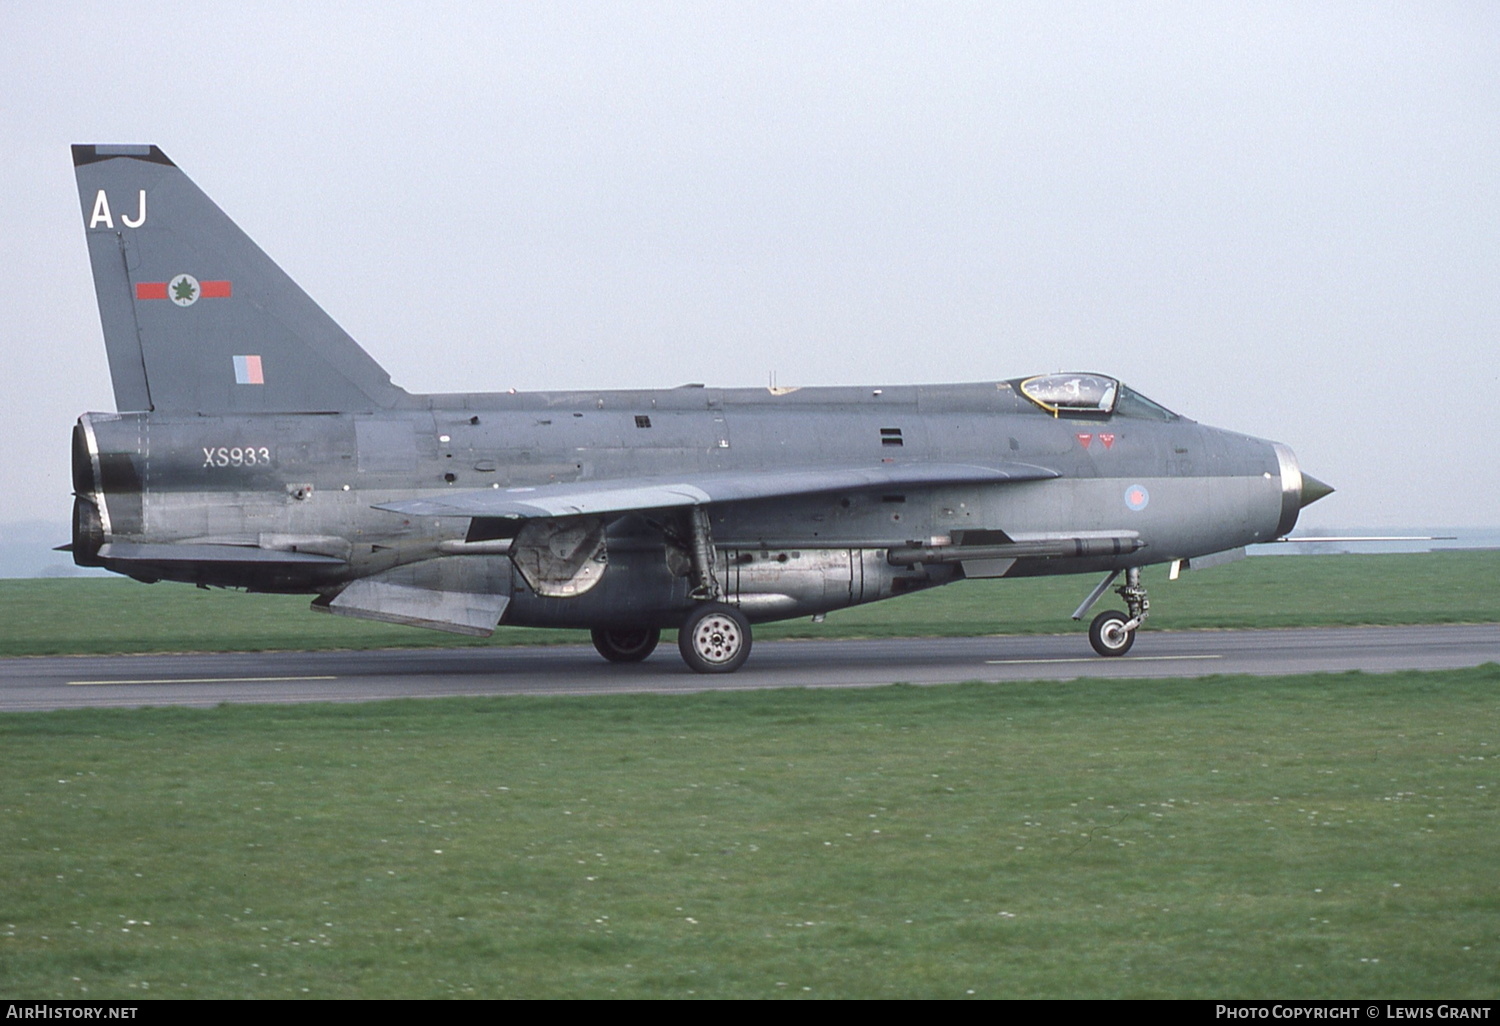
x,y
1084,440
1108,440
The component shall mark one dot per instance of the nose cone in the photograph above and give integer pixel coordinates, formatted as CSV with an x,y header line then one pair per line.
x,y
1313,490
1297,489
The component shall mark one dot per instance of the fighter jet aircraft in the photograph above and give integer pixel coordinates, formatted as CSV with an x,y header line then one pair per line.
x,y
257,446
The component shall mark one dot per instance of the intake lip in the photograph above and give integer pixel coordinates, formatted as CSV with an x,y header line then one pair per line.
x,y
1297,489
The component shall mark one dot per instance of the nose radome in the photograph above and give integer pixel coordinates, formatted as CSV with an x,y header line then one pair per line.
x,y
1297,489
1313,489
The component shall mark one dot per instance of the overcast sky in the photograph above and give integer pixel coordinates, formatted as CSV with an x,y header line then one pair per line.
x,y
1282,219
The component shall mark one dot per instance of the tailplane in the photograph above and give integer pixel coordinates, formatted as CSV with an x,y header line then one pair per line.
x,y
197,319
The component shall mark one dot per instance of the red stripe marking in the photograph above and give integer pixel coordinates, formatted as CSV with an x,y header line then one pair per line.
x,y
216,289
150,290
257,376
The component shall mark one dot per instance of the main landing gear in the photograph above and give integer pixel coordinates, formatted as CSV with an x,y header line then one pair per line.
x,y
715,638
1112,632
630,645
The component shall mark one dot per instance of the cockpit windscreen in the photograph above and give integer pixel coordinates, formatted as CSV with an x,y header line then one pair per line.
x,y
1090,394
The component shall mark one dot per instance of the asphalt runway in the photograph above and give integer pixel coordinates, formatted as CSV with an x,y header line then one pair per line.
x,y
208,679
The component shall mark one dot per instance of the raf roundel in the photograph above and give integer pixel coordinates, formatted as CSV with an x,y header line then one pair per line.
x,y
184,290
1136,497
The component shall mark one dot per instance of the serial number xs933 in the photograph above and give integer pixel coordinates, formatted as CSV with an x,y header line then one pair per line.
x,y
237,456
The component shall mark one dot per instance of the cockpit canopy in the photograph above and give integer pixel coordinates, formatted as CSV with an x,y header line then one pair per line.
x,y
1090,395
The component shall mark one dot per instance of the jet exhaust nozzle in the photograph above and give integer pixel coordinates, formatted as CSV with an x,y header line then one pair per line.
x,y
88,533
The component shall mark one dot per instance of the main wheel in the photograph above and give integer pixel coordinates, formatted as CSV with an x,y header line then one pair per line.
x,y
630,645
714,639
1108,634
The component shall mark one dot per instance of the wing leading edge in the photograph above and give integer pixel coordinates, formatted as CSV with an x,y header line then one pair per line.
x,y
582,498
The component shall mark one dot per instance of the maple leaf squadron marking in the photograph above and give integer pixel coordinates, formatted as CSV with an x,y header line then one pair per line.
x,y
184,290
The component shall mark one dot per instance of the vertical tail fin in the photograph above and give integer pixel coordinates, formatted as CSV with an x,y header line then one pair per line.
x,y
197,319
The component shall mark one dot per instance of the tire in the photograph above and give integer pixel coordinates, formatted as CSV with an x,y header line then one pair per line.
x,y
715,638
630,645
1107,637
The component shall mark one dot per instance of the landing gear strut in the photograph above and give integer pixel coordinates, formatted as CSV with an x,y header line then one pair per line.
x,y
705,582
1112,633
715,637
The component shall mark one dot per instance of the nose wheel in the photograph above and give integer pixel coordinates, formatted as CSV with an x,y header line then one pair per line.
x,y
715,638
1112,632
1109,633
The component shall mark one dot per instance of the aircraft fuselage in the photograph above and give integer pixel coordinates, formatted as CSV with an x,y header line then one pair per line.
x,y
259,446
309,483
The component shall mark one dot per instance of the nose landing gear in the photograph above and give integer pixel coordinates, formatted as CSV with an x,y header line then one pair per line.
x,y
1109,635
1112,632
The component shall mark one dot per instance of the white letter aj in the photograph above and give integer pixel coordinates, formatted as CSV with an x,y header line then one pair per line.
x,y
101,213
140,218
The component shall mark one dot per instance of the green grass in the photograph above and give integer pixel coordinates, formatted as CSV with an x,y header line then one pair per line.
x,y
103,616
1228,837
